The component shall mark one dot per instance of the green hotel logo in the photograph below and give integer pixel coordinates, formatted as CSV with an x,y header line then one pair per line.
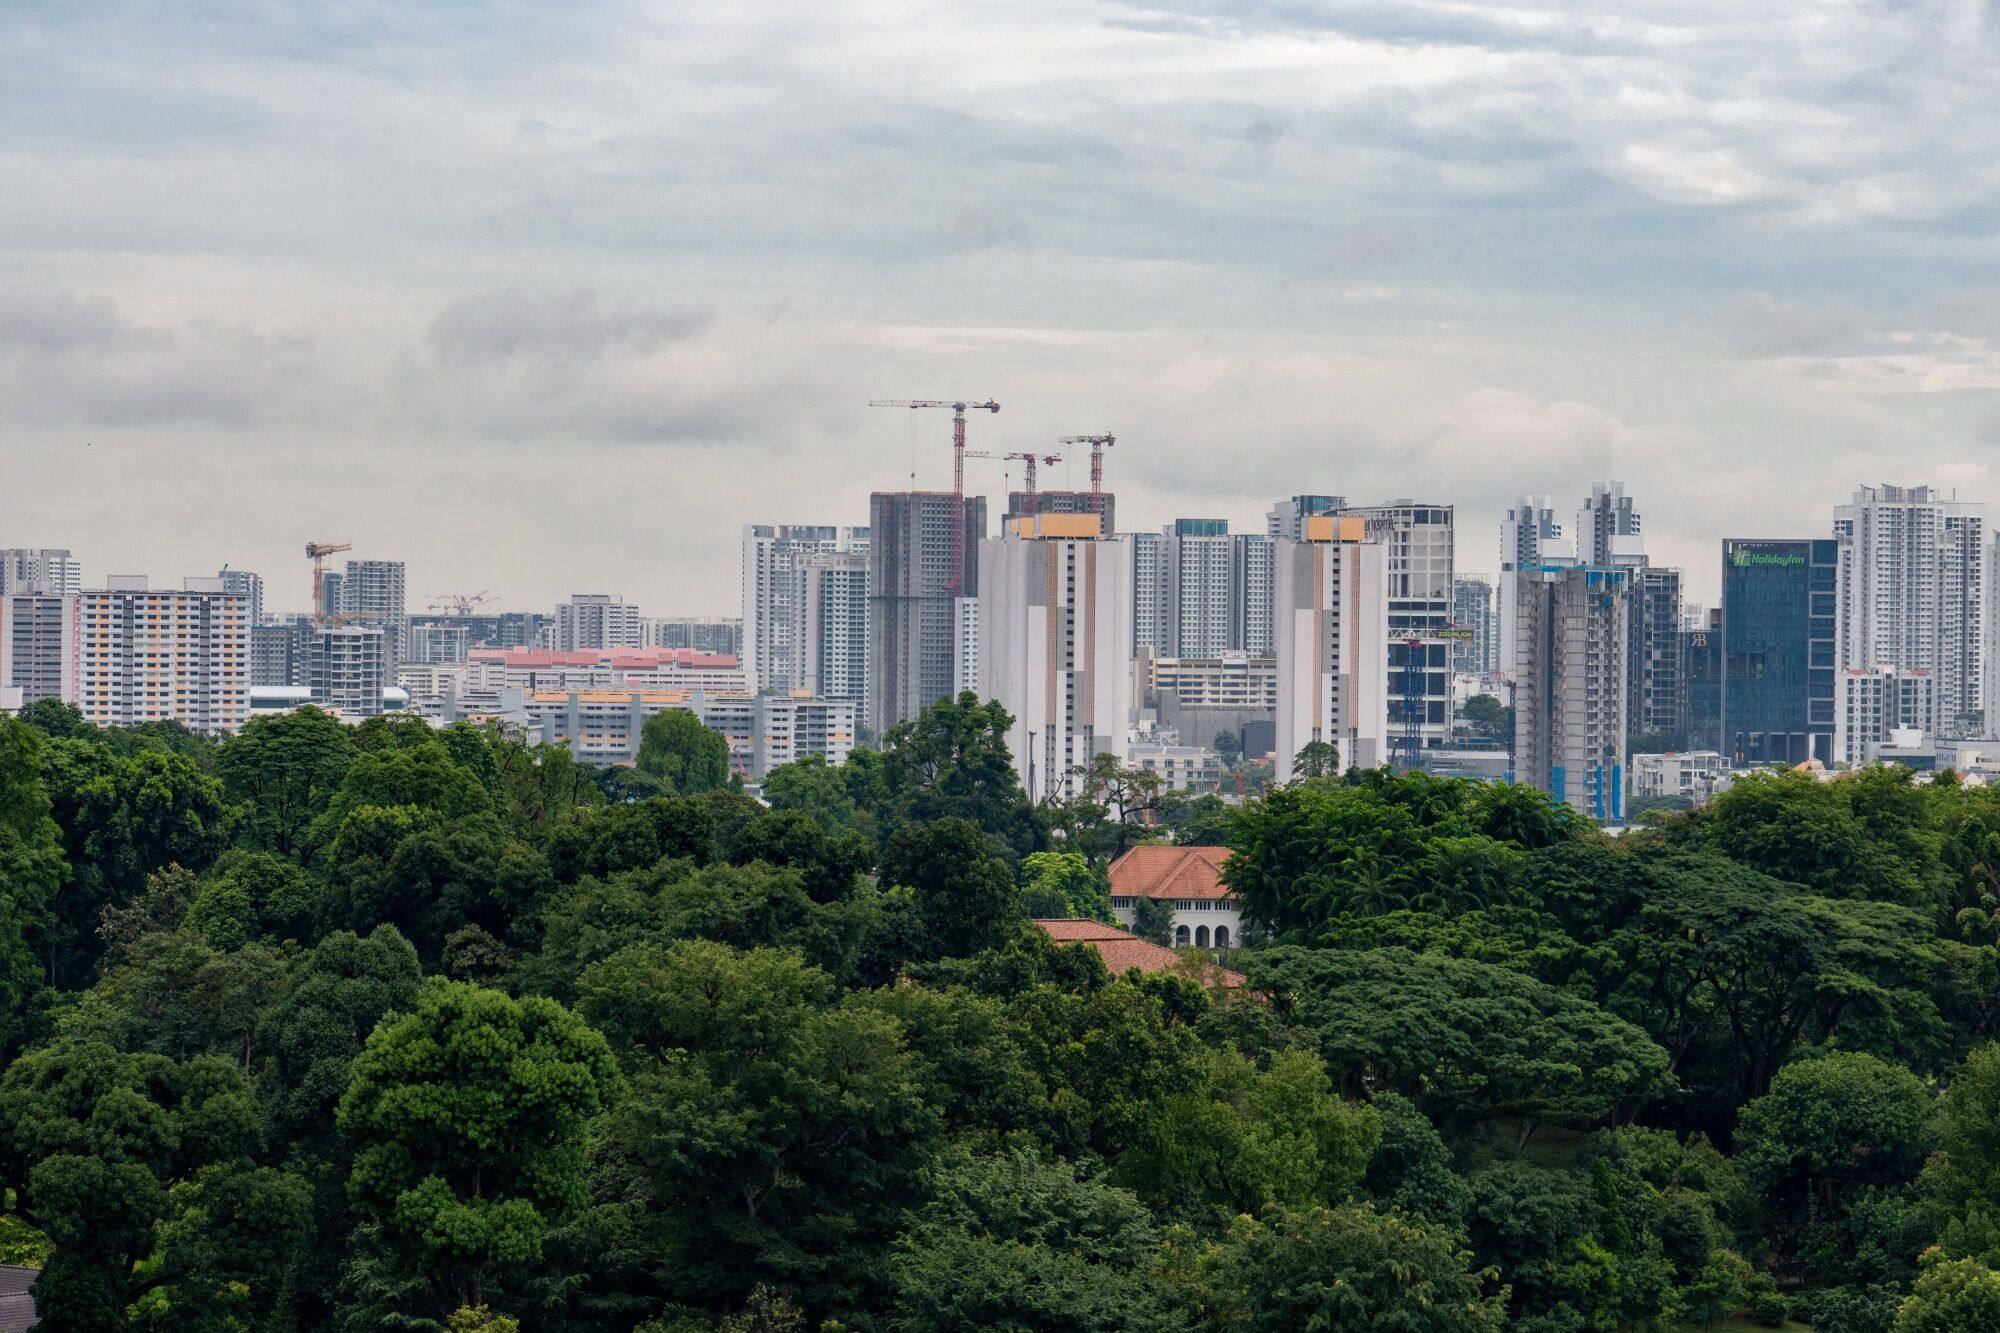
x,y
1744,558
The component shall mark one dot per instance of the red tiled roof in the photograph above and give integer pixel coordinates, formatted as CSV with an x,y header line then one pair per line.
x,y
1170,872
1122,951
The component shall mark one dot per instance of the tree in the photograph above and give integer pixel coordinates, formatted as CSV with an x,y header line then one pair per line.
x,y
1961,1184
1153,921
1228,747
1063,884
1468,1041
1835,1134
1351,1267
771,1135
31,877
1015,1242
92,1140
1952,1296
952,762
466,1116
1316,759
677,749
221,1249
1489,718
122,819
282,771
811,786
964,892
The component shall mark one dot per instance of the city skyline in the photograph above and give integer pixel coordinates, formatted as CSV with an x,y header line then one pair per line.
x,y
611,280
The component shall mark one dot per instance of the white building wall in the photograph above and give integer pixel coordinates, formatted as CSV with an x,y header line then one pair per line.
x,y
1332,651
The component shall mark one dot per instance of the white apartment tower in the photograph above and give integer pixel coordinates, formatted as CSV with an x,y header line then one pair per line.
x,y
770,584
1055,613
374,592
246,584
827,641
347,667
38,638
152,655
1197,561
1872,703
1332,642
594,620
1608,529
1252,609
40,569
1420,541
1910,593
1148,589
1529,537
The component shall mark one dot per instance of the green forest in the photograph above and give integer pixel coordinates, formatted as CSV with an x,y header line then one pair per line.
x,y
390,1027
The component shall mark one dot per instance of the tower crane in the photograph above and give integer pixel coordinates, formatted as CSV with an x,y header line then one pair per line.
x,y
1031,460
1098,444
958,411
458,604
317,552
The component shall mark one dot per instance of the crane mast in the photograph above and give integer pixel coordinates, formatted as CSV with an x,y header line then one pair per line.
x,y
1098,444
958,411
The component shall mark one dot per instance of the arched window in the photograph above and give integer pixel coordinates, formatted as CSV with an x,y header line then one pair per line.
x,y
1201,937
1180,937
1222,937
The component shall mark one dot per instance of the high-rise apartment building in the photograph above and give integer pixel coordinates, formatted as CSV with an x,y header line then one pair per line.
x,y
591,620
1332,642
1252,610
1055,616
38,645
912,622
1062,502
1197,559
245,584
1910,584
40,569
1657,677
150,655
704,634
828,638
1530,537
1608,527
1570,685
347,667
769,579
1419,539
1287,518
1872,703
1148,590
373,592
1778,630
787,727
1477,620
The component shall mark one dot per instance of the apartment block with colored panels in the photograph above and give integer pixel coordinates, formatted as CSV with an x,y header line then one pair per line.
x,y
148,654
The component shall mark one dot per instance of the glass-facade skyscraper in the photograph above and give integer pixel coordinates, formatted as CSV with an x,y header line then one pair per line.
x,y
1778,631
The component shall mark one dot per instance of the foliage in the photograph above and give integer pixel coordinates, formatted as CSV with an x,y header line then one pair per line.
x,y
1063,884
684,755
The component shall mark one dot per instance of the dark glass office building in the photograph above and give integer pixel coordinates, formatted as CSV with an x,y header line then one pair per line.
x,y
1777,650
1701,658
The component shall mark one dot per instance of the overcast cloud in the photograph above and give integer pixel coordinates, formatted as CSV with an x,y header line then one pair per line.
x,y
551,298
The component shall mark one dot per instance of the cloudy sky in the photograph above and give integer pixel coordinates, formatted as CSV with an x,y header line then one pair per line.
x,y
552,297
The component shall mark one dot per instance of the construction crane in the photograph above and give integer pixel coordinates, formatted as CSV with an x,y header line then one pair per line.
x,y
317,552
1098,444
458,604
958,411
1031,460
1412,740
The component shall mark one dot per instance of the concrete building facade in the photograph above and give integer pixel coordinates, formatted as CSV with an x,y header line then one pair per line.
x,y
1055,614
151,655
770,587
1570,685
912,622
46,569
1332,643
38,646
594,621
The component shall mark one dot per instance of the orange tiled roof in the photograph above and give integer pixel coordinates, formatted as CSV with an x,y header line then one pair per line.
x,y
1170,872
1122,951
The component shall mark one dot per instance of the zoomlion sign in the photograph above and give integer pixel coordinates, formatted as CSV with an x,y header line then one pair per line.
x,y
1744,558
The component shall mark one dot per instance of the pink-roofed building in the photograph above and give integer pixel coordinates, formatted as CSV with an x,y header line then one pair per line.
x,y
1122,951
604,669
1189,879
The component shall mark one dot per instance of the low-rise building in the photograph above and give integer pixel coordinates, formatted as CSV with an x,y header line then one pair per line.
x,y
1233,680
786,727
1181,768
1123,952
1693,774
1189,879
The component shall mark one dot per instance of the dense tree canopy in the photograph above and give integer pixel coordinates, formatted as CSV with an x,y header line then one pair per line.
x,y
400,1027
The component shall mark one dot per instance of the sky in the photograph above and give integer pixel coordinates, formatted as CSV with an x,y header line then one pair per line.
x,y
547,298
